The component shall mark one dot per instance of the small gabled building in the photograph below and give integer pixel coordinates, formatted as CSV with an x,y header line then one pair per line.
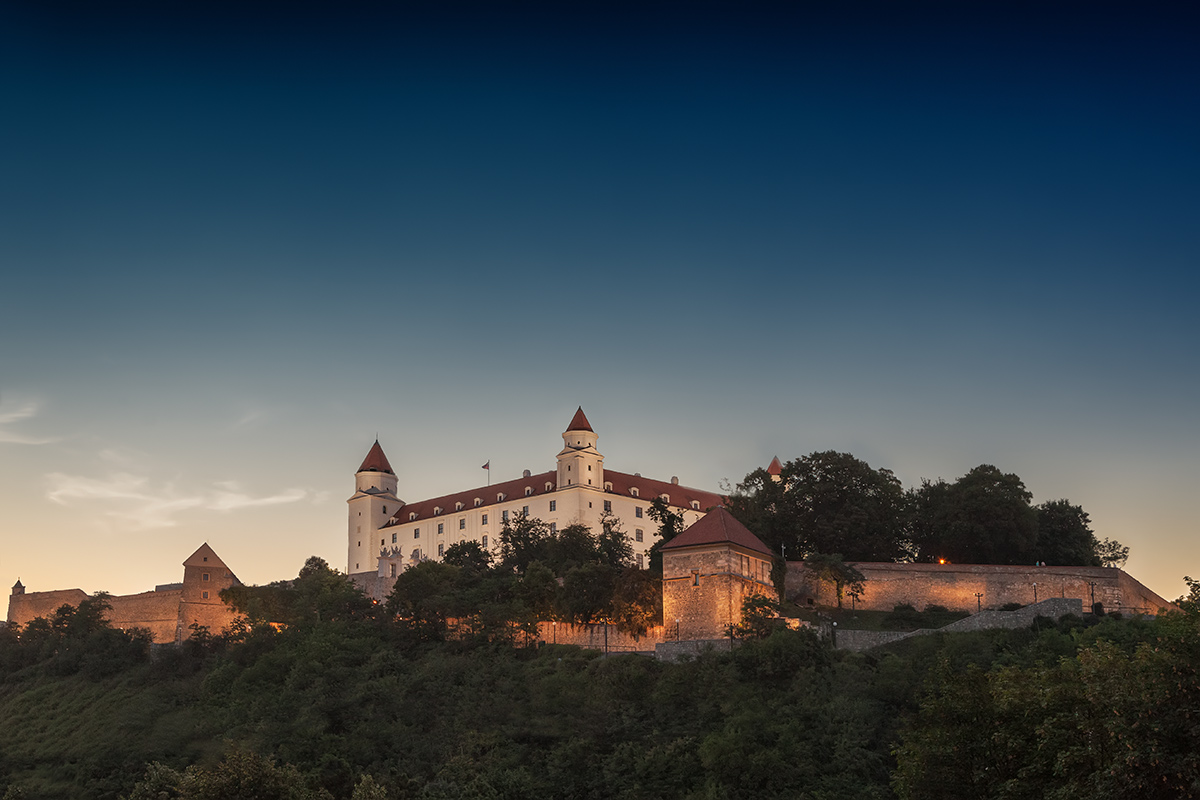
x,y
708,572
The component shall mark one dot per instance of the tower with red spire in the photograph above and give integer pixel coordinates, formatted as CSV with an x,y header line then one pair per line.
x,y
373,502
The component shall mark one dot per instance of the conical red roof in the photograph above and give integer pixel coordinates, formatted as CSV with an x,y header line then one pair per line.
x,y
775,468
718,527
376,461
579,422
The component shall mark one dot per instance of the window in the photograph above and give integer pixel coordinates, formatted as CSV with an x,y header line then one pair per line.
x,y
484,520
437,511
549,486
695,505
608,505
441,550
695,577
525,510
589,467
637,535
528,491
393,538
478,502
554,505
441,528
206,558
504,516
204,595
462,523
412,515
381,542
416,533
634,491
385,509
637,512
641,561
204,576
500,497
553,528
485,542
391,570
458,506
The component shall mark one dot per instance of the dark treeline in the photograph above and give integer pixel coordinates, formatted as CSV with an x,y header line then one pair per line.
x,y
348,700
833,503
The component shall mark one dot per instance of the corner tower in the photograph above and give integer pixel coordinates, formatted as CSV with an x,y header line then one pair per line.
x,y
373,502
579,463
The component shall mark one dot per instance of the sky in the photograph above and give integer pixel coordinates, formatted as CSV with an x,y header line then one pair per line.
x,y
239,242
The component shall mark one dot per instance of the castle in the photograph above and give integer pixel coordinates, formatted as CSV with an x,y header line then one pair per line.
x,y
579,490
708,570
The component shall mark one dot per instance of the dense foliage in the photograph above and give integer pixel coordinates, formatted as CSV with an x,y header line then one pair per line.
x,y
347,703
830,502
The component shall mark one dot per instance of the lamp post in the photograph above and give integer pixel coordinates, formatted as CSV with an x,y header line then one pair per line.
x,y
979,601
1035,593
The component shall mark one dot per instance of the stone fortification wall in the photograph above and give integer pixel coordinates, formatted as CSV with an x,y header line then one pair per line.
x,y
601,637
955,586
157,612
22,608
704,588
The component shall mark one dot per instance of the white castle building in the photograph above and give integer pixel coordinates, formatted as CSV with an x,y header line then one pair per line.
x,y
386,535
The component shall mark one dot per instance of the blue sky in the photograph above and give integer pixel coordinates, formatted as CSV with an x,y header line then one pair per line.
x,y
235,245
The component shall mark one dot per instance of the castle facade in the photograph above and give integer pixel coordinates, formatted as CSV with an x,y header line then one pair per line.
x,y
386,535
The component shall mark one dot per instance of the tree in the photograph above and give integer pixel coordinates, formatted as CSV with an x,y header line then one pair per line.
x,y
613,544
637,601
523,539
832,569
759,613
1064,536
469,555
826,502
1112,553
670,525
982,518
587,593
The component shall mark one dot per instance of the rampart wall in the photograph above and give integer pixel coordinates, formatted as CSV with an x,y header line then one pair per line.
x,y
973,587
22,608
605,638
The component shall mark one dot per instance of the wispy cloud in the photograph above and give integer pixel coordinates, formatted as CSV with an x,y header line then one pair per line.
x,y
141,505
11,416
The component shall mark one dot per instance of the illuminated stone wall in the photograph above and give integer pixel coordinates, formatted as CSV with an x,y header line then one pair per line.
x,y
704,588
955,586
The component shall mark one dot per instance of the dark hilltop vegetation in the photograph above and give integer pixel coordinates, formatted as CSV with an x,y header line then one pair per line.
x,y
349,699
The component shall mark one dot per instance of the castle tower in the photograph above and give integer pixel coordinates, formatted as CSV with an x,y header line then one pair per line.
x,y
204,576
18,587
775,470
373,502
579,463
708,571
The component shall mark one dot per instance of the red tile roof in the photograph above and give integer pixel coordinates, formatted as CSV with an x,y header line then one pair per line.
x,y
579,422
376,461
775,468
680,496
512,490
718,527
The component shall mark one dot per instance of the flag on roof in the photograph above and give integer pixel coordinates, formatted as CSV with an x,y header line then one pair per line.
x,y
488,465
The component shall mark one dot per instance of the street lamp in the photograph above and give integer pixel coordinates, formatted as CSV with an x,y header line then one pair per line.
x,y
979,601
1035,593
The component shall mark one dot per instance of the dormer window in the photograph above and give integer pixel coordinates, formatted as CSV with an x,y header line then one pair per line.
x,y
412,516
608,486
528,491
437,511
458,506
549,486
696,505
666,498
478,502
634,491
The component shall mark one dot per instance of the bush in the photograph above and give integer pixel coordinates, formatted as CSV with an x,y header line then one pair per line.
x,y
1011,606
